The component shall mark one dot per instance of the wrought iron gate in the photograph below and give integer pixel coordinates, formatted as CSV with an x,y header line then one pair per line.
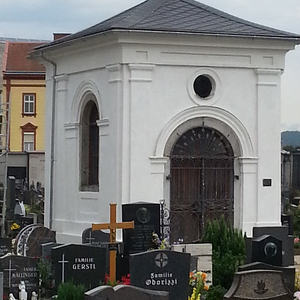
x,y
201,182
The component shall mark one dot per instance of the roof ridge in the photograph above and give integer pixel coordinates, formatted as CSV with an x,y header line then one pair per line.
x,y
228,16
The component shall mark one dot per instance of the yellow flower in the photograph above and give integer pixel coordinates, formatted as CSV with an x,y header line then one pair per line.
x,y
14,226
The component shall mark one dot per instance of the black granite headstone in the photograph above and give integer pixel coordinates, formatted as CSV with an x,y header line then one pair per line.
x,y
280,233
11,196
124,292
267,249
146,217
95,238
5,246
82,264
16,269
46,249
161,270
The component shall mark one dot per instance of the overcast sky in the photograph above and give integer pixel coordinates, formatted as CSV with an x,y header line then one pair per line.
x,y
38,19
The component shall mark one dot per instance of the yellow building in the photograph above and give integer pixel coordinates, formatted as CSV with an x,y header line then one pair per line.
x,y
24,90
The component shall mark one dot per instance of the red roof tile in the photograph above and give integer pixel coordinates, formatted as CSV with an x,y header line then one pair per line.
x,y
16,58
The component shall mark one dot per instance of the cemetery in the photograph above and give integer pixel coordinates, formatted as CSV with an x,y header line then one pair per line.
x,y
160,184
225,264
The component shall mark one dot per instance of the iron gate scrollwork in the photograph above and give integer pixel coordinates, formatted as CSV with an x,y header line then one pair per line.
x,y
201,182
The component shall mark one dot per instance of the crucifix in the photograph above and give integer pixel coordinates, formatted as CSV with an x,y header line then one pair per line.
x,y
113,226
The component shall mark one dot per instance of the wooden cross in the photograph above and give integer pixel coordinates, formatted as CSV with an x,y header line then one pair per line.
x,y
113,226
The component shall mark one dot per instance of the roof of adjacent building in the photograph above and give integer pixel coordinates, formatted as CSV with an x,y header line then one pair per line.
x,y
185,16
15,58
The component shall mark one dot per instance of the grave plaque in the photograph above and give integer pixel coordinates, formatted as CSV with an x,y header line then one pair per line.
x,y
5,246
83,264
146,217
161,270
258,284
17,268
124,292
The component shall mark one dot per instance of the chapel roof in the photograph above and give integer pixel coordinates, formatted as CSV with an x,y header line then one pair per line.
x,y
185,16
15,59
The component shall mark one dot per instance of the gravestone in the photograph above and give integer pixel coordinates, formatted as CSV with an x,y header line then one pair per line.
x,y
29,240
5,246
267,249
100,239
46,250
288,273
17,268
83,264
124,292
146,217
201,257
95,238
161,270
280,233
10,197
258,284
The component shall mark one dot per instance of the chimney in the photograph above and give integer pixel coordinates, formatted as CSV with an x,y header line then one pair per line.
x,y
57,36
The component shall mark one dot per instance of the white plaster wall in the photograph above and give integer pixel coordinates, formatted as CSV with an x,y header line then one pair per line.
x,y
143,84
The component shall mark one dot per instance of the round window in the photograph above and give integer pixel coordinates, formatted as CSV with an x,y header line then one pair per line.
x,y
203,86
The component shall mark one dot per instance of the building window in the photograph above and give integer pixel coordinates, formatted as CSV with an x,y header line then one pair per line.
x,y
89,171
28,137
28,141
29,104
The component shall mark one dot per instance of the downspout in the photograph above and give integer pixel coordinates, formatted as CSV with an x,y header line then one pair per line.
x,y
52,138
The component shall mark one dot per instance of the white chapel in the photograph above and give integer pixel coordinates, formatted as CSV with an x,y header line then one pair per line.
x,y
173,100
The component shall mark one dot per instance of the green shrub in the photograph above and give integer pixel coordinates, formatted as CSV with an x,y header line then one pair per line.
x,y
228,250
70,291
215,293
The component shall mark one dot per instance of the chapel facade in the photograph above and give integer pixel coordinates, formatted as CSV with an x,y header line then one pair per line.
x,y
168,100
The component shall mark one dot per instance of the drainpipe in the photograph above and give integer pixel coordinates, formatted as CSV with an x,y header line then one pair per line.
x,y
52,138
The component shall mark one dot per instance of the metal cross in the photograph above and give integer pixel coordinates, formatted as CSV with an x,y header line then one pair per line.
x,y
9,273
63,262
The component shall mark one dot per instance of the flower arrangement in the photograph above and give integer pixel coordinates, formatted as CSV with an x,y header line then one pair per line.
x,y
124,280
158,243
296,242
14,226
198,285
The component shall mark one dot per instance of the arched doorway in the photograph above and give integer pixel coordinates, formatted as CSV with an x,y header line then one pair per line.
x,y
201,182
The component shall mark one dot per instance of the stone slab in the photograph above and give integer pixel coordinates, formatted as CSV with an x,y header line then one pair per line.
x,y
125,292
259,285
